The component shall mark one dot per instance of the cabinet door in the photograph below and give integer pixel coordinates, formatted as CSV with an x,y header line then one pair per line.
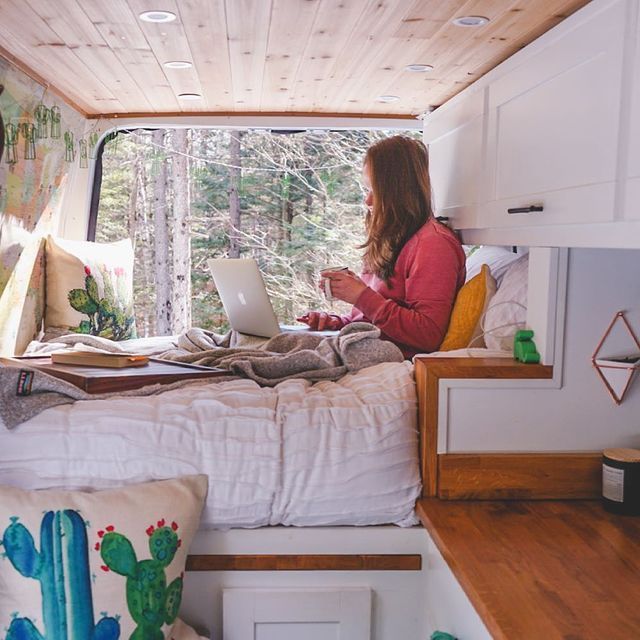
x,y
632,190
282,614
455,139
553,125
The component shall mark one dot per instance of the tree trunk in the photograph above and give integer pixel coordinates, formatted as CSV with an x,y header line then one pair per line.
x,y
285,207
181,299
235,145
162,262
146,253
288,220
138,224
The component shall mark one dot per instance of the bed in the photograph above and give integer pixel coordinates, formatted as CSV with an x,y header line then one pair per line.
x,y
331,453
341,452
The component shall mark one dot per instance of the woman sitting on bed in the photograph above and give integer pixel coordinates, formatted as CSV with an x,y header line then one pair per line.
x,y
413,266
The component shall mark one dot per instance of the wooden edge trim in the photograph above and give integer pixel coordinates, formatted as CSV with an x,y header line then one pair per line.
x,y
304,562
253,114
523,476
422,509
429,372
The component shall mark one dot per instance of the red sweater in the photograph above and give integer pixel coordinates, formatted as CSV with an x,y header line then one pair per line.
x,y
413,310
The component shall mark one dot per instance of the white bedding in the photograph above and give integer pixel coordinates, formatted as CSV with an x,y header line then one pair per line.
x,y
335,453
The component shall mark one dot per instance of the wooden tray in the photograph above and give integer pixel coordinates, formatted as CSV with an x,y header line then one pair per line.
x,y
108,380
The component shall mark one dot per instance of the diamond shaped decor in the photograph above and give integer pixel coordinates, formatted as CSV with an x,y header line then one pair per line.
x,y
617,371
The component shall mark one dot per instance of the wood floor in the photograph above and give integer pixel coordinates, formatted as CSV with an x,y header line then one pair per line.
x,y
542,570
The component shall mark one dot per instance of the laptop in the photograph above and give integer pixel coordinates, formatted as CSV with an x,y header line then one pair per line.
x,y
245,298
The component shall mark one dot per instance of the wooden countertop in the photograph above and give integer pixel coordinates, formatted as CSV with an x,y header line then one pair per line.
x,y
542,570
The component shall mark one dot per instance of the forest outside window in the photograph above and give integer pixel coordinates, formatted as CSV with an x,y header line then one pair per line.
x,y
293,200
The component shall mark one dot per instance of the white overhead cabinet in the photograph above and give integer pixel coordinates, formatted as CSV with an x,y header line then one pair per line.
x,y
535,152
553,129
632,185
456,144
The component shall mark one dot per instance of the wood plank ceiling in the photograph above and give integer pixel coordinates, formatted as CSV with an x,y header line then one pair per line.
x,y
266,56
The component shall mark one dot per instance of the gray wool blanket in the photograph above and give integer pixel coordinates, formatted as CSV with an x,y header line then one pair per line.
x,y
288,355
298,354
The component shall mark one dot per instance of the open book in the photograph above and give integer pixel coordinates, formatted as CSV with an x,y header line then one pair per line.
x,y
96,359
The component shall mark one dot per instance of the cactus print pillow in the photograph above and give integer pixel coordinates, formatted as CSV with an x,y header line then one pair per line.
x,y
96,566
89,288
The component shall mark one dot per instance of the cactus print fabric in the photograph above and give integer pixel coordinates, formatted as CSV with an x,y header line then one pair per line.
x,y
107,565
89,288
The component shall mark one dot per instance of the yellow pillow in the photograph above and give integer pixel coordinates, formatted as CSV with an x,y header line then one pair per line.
x,y
471,303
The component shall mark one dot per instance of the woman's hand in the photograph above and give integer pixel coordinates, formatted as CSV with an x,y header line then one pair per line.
x,y
321,321
345,285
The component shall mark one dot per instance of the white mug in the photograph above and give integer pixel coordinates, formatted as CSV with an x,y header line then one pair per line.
x,y
326,282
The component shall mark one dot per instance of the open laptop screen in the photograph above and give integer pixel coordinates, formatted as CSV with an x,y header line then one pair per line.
x,y
244,296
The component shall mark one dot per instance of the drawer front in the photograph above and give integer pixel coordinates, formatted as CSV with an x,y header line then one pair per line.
x,y
565,206
554,123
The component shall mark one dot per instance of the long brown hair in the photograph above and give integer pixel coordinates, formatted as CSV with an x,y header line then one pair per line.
x,y
399,172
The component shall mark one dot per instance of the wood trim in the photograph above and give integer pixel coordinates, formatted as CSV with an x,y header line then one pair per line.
x,y
306,562
254,114
526,476
429,372
36,77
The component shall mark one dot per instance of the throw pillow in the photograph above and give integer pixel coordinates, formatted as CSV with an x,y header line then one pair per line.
x,y
497,259
96,566
89,288
507,312
470,304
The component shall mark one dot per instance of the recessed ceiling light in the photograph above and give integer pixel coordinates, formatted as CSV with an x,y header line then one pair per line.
x,y
178,64
387,98
419,67
189,96
157,16
470,21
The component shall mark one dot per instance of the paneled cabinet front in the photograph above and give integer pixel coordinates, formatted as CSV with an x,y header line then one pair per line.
x,y
553,126
632,186
455,140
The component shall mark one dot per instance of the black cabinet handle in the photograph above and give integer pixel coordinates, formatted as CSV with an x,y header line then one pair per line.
x,y
530,209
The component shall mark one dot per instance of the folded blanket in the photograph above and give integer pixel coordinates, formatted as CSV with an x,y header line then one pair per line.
x,y
288,355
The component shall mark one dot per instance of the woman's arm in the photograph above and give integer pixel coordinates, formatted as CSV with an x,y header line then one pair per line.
x,y
432,273
322,321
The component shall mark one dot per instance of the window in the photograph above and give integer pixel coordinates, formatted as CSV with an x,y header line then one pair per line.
x,y
290,199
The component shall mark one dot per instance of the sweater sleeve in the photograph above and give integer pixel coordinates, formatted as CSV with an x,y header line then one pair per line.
x,y
432,272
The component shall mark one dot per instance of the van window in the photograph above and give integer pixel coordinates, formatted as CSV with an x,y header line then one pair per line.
x,y
293,200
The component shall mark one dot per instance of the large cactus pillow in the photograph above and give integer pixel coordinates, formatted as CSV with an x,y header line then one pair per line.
x,y
96,566
89,288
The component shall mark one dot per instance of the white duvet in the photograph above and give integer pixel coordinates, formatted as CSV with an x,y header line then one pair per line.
x,y
333,453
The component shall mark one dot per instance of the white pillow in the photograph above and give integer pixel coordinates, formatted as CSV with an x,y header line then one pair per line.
x,y
89,288
497,259
106,564
507,312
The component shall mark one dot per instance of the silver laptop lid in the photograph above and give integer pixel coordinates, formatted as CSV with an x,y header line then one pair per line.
x,y
244,296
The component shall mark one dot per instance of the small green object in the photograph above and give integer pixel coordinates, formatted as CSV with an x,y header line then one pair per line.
x,y
524,348
442,635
